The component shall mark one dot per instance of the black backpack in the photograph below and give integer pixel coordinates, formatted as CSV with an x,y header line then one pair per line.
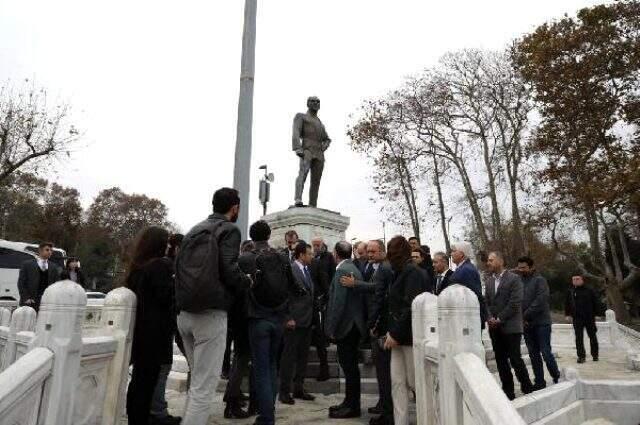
x,y
271,279
198,284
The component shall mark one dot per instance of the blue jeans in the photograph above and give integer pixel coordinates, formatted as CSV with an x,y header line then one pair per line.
x,y
265,337
538,340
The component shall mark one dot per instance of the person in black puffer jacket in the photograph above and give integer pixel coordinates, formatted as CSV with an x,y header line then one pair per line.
x,y
581,306
408,284
150,277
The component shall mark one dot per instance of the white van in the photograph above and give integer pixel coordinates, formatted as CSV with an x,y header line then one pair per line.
x,y
12,255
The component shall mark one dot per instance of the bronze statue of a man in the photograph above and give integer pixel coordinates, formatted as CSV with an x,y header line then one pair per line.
x,y
310,140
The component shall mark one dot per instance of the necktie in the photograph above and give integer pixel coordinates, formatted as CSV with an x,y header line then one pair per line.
x,y
438,282
368,272
307,278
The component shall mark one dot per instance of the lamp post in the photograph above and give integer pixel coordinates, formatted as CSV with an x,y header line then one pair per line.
x,y
265,188
242,169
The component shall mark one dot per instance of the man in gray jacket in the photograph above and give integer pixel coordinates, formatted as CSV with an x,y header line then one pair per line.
x,y
537,322
346,325
504,293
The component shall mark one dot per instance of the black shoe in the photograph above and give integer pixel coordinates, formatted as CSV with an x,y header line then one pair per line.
x,y
344,413
233,410
527,388
286,399
303,396
539,386
243,397
581,360
336,407
166,420
381,420
224,375
556,380
375,410
299,204
595,358
252,410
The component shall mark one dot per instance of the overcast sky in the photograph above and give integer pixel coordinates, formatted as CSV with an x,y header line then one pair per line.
x,y
154,85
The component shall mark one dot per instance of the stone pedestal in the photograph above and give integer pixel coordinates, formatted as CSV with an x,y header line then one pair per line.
x,y
308,222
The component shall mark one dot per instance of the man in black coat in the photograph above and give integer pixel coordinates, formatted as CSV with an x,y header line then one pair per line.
x,y
442,272
581,306
36,275
537,322
322,270
297,340
377,279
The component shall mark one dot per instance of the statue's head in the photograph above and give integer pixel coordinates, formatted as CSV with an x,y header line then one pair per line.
x,y
313,103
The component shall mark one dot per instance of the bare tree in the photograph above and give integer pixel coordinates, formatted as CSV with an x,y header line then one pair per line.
x,y
31,132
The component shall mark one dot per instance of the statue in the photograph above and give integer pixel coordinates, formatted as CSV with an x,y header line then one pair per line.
x,y
310,140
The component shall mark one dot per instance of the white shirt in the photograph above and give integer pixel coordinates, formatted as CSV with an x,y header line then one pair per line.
x,y
43,264
300,266
340,264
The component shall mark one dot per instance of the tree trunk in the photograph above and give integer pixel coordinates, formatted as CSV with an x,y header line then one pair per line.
x,y
443,215
496,221
616,301
473,203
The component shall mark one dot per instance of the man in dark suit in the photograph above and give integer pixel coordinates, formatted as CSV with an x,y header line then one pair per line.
x,y
36,275
504,299
346,325
442,272
291,240
360,259
466,274
322,269
298,339
377,278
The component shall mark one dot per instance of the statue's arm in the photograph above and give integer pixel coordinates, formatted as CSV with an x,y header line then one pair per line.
x,y
297,134
326,141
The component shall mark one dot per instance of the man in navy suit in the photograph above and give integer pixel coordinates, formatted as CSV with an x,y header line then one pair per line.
x,y
298,339
442,272
466,274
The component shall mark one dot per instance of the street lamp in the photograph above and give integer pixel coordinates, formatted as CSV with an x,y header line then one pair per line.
x,y
265,188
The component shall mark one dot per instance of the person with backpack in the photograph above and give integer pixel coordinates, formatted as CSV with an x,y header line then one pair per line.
x,y
581,307
207,277
273,285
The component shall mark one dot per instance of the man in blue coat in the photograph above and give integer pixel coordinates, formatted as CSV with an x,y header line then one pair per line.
x,y
466,274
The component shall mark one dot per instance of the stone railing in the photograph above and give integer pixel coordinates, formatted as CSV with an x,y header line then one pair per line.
x,y
453,384
73,367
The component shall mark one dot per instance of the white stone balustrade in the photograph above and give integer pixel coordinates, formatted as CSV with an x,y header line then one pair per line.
x,y
83,378
424,318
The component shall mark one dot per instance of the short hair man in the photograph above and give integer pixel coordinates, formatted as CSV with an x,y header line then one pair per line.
x,y
360,255
346,325
36,275
291,240
537,322
466,274
414,242
322,269
504,300
205,319
377,279
581,306
297,341
442,271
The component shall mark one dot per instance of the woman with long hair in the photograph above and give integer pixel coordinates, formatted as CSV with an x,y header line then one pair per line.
x,y
150,276
409,282
72,272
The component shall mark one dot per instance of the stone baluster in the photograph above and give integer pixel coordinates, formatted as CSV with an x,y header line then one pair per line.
x,y
5,316
118,319
23,319
614,331
458,332
424,322
58,328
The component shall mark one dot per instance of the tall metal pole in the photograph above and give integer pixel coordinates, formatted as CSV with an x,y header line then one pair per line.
x,y
242,165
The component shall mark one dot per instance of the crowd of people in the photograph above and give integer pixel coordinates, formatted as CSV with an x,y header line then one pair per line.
x,y
208,290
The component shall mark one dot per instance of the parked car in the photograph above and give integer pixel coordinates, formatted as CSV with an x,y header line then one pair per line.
x,y
12,255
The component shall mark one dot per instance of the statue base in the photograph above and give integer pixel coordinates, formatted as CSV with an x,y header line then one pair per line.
x,y
308,222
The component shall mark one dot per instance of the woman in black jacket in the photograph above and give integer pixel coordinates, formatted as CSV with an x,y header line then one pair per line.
x,y
72,272
150,276
409,282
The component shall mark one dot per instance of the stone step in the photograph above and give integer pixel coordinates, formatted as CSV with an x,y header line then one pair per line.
x,y
177,381
180,364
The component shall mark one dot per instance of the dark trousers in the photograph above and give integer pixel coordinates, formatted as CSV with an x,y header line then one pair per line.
x,y
239,369
507,350
319,340
143,383
348,360
293,364
579,326
226,362
538,340
382,359
265,337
